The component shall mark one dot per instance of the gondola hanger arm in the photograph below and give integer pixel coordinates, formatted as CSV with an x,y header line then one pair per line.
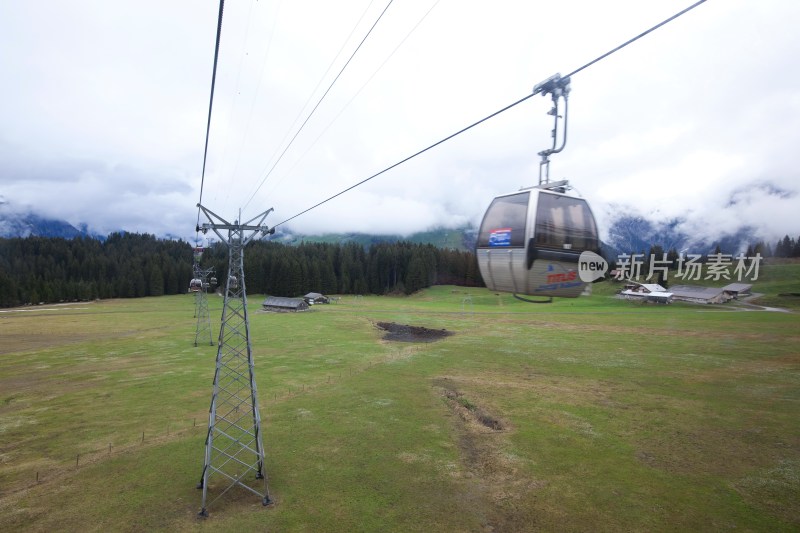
x,y
557,87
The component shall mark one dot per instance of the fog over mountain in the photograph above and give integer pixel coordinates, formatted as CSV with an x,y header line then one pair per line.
x,y
733,220
18,221
625,230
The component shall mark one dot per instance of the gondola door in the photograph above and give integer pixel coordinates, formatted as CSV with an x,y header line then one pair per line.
x,y
501,243
564,227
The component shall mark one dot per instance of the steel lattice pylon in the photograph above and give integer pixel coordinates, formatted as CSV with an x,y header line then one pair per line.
x,y
201,306
234,450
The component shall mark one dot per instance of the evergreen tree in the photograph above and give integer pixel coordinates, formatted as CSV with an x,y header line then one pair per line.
x,y
784,247
417,274
155,285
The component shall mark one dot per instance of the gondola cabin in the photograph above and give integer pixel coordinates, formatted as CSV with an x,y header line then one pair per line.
x,y
530,241
233,282
196,285
198,254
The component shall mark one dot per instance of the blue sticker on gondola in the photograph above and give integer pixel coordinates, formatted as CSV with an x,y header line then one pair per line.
x,y
500,237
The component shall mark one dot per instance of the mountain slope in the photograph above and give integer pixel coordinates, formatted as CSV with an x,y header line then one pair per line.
x,y
636,234
31,225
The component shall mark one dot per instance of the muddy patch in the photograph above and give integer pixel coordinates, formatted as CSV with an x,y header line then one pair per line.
x,y
405,333
468,411
480,432
497,478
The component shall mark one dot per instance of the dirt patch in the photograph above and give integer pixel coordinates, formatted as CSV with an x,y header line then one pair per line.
x,y
469,411
496,477
481,450
406,333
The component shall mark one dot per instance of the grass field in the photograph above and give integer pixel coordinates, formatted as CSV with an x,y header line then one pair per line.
x,y
593,414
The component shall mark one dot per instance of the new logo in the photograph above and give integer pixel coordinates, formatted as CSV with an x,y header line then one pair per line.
x,y
591,266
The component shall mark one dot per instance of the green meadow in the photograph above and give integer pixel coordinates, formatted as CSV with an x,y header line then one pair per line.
x,y
592,414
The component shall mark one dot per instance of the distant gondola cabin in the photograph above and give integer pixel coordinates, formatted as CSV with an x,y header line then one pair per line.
x,y
196,285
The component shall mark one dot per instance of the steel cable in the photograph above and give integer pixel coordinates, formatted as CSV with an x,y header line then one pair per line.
x,y
506,108
318,103
210,106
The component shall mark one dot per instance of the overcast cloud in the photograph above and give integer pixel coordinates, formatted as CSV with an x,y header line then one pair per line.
x,y
104,108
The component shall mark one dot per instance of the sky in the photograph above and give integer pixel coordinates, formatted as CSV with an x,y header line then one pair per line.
x,y
104,110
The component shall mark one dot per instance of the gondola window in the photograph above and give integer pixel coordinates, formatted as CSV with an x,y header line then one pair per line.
x,y
504,223
564,222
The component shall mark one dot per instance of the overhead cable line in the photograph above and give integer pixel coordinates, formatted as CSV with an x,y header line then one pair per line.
x,y
237,86
536,91
257,91
318,103
387,169
288,173
313,92
210,106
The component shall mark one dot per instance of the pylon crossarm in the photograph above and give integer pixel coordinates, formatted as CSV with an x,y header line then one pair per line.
x,y
211,216
261,217
217,223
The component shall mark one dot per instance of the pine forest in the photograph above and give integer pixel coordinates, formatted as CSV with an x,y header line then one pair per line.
x,y
128,265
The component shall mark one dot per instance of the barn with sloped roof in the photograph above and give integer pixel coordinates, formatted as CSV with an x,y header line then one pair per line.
x,y
700,295
734,290
315,298
284,305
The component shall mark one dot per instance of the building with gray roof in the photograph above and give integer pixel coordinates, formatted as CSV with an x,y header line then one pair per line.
x,y
280,304
734,290
696,294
